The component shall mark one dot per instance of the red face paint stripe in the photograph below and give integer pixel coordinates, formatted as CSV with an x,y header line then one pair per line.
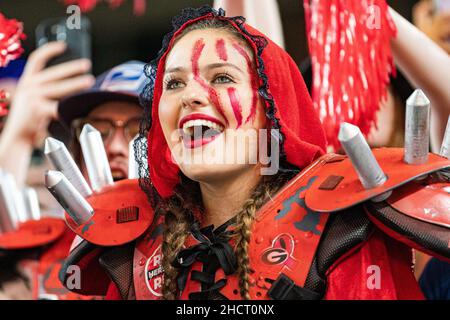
x,y
213,96
221,50
252,115
253,79
237,109
196,53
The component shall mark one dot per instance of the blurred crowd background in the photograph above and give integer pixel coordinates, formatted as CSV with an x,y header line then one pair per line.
x,y
118,35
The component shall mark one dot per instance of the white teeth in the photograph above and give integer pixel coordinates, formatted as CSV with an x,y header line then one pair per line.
x,y
188,126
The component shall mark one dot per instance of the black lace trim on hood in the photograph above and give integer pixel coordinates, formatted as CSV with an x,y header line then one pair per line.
x,y
146,97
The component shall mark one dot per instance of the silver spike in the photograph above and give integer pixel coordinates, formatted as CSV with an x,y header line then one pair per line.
x,y
369,172
95,158
21,214
445,147
68,197
133,166
60,157
417,128
8,219
31,203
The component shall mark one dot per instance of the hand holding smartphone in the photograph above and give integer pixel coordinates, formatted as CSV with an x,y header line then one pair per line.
x,y
58,68
78,40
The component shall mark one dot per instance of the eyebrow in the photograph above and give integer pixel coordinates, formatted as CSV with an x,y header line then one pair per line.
x,y
208,67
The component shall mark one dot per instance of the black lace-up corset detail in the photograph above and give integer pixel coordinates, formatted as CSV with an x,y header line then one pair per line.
x,y
214,251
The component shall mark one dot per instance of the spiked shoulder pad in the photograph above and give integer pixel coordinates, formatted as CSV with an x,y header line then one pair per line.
x,y
122,213
337,186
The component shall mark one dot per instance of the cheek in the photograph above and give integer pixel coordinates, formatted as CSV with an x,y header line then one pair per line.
x,y
262,119
243,104
168,117
236,105
259,118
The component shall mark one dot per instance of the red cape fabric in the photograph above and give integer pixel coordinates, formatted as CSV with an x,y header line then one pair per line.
x,y
352,277
300,125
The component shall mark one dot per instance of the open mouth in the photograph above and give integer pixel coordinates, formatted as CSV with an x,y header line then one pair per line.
x,y
118,174
198,130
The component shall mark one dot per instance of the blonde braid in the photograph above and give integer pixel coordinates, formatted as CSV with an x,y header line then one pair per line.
x,y
177,228
243,232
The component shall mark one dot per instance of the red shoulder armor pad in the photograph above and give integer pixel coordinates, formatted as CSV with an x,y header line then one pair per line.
x,y
417,214
337,186
51,262
84,259
33,234
121,214
425,200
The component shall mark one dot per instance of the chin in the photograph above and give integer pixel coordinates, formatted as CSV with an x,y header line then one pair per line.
x,y
213,173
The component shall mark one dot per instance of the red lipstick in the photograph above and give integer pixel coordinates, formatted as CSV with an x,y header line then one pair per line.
x,y
198,116
193,142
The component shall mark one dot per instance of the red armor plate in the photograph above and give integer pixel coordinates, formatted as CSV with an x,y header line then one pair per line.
x,y
284,239
426,202
50,263
122,214
32,234
349,191
148,274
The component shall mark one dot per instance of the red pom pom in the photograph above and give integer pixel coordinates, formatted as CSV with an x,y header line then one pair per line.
x,y
85,5
349,43
11,34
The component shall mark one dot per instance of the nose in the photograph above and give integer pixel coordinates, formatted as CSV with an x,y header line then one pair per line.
x,y
117,145
195,97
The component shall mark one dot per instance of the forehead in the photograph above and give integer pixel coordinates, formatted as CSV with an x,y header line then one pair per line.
x,y
181,53
116,110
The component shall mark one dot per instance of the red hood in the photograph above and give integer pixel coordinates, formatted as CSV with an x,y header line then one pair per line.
x,y
288,106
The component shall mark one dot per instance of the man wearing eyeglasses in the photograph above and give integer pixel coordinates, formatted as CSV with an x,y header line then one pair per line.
x,y
112,107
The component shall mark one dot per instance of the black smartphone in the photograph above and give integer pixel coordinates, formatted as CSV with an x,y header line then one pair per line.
x,y
78,39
